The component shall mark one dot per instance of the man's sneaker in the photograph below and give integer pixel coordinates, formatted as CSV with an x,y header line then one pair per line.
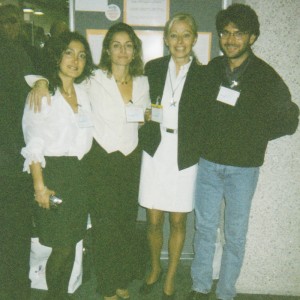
x,y
193,295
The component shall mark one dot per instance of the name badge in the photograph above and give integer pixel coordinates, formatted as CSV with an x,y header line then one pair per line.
x,y
134,114
84,119
228,96
157,113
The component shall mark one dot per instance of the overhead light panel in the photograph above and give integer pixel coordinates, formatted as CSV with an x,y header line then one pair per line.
x,y
28,10
38,12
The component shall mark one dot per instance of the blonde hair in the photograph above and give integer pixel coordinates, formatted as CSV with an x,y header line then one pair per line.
x,y
181,17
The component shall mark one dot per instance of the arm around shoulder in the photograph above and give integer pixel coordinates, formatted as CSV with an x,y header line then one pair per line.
x,y
39,85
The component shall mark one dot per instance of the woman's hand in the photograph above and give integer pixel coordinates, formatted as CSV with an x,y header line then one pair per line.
x,y
147,117
35,96
148,114
42,197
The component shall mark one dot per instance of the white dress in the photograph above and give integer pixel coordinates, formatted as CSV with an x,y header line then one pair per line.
x,y
162,185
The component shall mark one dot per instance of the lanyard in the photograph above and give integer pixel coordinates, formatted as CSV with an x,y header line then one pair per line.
x,y
173,102
234,77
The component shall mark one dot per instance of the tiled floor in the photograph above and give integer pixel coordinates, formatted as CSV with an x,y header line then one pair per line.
x,y
87,291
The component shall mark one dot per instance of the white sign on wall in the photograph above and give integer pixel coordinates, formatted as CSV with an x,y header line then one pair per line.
x,y
202,48
91,5
146,12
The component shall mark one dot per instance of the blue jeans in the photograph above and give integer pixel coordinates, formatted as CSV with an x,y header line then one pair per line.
x,y
237,186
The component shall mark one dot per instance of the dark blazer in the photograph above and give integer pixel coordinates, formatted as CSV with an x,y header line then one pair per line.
x,y
191,112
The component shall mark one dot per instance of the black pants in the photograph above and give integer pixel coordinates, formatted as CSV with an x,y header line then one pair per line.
x,y
114,181
15,236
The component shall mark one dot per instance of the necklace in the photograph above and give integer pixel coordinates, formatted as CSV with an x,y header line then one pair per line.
x,y
121,82
126,80
68,95
173,102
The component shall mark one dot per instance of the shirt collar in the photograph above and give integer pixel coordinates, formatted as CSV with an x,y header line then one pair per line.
x,y
183,69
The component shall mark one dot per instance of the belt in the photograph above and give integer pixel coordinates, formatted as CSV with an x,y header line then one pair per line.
x,y
169,130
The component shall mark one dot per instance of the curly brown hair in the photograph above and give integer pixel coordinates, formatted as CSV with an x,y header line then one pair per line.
x,y
52,56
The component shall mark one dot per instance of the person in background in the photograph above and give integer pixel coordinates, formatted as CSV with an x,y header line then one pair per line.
x,y
119,95
250,105
58,27
40,37
33,41
170,156
15,187
57,140
11,20
14,29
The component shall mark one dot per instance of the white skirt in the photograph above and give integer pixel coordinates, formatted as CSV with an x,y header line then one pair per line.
x,y
162,185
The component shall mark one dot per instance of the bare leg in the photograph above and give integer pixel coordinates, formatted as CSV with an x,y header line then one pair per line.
x,y
155,220
176,242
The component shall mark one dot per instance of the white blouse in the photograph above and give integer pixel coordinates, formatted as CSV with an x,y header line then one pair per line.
x,y
57,130
111,130
172,93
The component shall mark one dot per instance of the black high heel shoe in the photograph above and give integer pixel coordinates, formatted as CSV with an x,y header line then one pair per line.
x,y
146,288
167,297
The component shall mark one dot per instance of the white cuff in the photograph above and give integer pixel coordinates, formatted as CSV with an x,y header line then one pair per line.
x,y
32,79
32,158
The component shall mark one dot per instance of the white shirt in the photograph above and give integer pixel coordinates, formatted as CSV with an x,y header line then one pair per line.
x,y
172,93
57,130
111,129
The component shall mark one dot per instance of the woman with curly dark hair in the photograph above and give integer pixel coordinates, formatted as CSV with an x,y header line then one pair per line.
x,y
60,135
119,95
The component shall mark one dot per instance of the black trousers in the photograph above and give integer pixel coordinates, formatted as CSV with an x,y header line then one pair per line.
x,y
114,182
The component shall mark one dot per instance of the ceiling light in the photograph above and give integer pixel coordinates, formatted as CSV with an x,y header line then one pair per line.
x,y
28,10
38,12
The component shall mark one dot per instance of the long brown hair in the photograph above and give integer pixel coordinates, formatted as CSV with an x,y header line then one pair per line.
x,y
136,66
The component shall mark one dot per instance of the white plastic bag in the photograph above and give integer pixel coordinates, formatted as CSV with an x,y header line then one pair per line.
x,y
38,257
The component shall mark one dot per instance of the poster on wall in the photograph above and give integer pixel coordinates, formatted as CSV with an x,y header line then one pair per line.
x,y
152,42
113,12
153,13
91,5
202,48
95,38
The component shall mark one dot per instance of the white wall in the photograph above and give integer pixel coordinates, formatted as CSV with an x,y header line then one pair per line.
x,y
272,262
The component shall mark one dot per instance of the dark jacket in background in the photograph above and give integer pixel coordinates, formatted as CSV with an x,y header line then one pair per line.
x,y
14,64
15,186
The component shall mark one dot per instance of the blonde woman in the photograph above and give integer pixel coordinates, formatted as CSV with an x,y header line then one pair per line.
x,y
170,155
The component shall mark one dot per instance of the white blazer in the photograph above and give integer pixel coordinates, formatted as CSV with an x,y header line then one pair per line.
x,y
111,130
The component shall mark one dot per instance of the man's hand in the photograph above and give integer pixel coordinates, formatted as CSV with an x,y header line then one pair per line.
x,y
35,96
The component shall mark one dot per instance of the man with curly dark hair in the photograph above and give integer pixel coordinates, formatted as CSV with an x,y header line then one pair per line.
x,y
250,105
